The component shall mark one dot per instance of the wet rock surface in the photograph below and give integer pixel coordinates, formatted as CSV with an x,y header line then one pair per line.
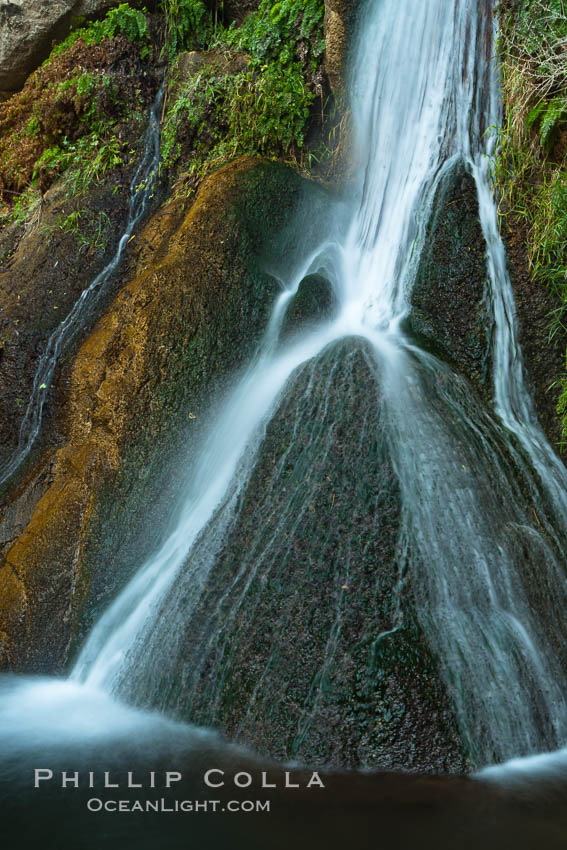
x,y
192,314
450,316
543,354
67,228
449,313
41,280
339,20
305,644
313,302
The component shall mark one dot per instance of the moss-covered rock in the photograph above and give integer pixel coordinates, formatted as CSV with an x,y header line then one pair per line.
x,y
29,28
313,302
339,20
449,311
88,100
305,644
191,315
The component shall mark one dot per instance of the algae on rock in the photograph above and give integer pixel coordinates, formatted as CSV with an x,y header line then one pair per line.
x,y
184,323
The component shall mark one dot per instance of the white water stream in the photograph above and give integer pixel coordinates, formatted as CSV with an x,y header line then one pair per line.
x,y
142,187
424,96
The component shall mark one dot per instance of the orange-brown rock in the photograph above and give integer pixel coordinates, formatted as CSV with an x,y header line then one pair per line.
x,y
338,19
138,386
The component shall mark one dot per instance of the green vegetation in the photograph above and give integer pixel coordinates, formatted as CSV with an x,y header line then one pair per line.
x,y
123,20
255,90
79,114
88,159
281,31
252,89
531,170
25,207
89,156
189,26
90,229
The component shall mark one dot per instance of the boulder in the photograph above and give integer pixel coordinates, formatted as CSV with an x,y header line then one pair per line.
x,y
313,302
450,314
305,644
192,312
28,30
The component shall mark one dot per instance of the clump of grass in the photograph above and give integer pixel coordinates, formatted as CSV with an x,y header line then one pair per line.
x,y
189,26
91,229
533,44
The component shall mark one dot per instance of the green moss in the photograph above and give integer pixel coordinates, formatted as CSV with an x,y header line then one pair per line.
x,y
123,20
81,124
219,116
263,108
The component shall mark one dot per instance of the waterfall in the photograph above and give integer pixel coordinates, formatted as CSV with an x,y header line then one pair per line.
x,y
142,187
425,97
480,534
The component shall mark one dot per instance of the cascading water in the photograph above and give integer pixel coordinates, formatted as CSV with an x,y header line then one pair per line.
x,y
425,98
141,189
474,548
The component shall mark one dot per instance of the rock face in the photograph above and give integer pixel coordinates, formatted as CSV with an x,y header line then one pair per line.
x,y
449,313
305,643
38,286
191,314
313,302
71,230
339,18
544,355
28,30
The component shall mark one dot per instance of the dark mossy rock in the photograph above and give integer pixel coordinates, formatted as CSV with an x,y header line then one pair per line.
x,y
449,313
305,643
543,353
44,274
235,10
313,302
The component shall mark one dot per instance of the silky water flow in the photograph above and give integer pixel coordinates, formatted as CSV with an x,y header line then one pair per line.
x,y
425,100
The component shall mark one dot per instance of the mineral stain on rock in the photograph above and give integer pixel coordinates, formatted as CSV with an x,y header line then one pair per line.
x,y
180,327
